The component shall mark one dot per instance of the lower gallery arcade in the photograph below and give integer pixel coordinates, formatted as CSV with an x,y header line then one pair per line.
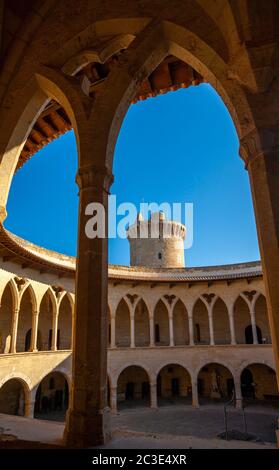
x,y
198,340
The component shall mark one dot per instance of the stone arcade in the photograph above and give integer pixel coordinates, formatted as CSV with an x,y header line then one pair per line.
x,y
95,59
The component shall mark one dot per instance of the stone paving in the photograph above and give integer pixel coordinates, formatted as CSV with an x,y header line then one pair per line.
x,y
173,427
205,422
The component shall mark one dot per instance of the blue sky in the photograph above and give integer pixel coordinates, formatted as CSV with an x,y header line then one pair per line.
x,y
178,147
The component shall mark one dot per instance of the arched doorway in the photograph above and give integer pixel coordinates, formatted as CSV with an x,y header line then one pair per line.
x,y
64,332
180,324
122,325
174,385
133,388
6,312
13,398
161,325
215,384
52,397
142,335
221,325
259,385
201,323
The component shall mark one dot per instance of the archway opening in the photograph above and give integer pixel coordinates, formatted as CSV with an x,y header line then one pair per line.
x,y
142,334
201,323
133,388
242,319
13,398
215,384
249,338
161,325
259,385
174,385
52,397
24,330
64,332
6,313
180,324
221,325
262,320
45,324
122,325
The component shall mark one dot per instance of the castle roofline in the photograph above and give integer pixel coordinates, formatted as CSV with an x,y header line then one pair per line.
x,y
18,250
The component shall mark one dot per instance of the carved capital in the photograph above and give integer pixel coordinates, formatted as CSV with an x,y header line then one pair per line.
x,y
94,177
258,141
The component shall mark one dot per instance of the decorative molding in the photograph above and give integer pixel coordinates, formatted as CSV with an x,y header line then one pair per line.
x,y
20,282
132,298
170,298
208,297
58,290
256,142
249,294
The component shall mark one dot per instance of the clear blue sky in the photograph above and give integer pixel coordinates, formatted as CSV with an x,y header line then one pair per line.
x,y
178,147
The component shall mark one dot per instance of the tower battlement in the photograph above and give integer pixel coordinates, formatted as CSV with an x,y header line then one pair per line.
x,y
157,242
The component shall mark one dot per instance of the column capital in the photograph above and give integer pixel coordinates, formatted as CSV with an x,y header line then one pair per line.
x,y
94,177
258,142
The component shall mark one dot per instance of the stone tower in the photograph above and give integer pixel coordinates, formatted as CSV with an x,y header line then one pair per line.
x,y
157,242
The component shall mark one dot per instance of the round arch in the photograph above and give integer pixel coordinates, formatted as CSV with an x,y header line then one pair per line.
x,y
215,382
133,387
174,385
259,384
14,396
52,396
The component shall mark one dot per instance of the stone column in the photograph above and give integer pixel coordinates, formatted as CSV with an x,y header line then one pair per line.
x,y
153,395
171,329
195,395
112,331
211,329
34,331
113,399
254,327
191,328
151,330
132,328
88,417
54,331
238,394
14,330
261,154
231,320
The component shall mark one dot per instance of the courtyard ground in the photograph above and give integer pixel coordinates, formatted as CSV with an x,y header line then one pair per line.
x,y
167,427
